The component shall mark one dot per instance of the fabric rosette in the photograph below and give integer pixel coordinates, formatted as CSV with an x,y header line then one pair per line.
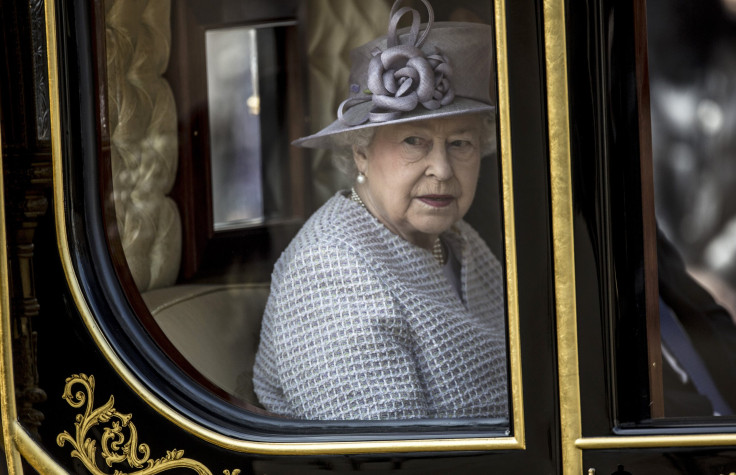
x,y
402,77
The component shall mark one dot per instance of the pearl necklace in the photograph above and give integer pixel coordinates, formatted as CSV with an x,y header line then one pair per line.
x,y
438,249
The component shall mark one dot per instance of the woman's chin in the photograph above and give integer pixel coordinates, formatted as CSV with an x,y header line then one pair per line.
x,y
436,220
435,227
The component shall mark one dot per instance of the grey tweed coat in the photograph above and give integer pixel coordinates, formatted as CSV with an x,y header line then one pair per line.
x,y
361,324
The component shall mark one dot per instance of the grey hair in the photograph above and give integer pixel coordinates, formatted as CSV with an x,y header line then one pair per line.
x,y
488,134
342,154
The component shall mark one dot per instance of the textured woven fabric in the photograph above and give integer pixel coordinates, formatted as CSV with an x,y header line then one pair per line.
x,y
361,324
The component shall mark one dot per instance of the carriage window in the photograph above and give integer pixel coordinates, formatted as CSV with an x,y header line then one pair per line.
x,y
320,235
234,117
692,59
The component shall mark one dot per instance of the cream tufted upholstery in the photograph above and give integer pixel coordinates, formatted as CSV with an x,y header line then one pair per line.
x,y
143,130
336,27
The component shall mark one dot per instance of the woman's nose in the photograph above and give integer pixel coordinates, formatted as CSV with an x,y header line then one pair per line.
x,y
438,163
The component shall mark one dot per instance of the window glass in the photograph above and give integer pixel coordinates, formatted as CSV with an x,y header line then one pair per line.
x,y
692,60
358,273
234,115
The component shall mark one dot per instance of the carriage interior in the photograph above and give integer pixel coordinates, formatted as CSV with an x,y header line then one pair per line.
x,y
186,102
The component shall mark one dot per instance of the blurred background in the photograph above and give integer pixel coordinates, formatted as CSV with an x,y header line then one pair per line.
x,y
692,61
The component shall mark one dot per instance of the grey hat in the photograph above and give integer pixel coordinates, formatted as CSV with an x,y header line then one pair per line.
x,y
441,71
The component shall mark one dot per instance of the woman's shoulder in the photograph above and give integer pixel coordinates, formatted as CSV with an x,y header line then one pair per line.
x,y
338,216
337,228
470,240
477,258
468,232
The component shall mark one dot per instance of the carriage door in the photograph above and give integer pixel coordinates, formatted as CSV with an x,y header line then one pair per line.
x,y
643,224
169,191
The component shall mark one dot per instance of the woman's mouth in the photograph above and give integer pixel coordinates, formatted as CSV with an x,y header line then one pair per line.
x,y
436,201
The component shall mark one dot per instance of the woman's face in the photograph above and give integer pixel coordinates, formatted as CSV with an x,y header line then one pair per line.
x,y
421,176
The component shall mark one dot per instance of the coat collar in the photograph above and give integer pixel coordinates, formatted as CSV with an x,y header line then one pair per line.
x,y
411,272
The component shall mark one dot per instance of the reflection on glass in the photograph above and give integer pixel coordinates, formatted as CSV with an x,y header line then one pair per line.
x,y
235,127
692,54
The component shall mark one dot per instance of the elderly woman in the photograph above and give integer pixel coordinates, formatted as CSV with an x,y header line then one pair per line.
x,y
387,305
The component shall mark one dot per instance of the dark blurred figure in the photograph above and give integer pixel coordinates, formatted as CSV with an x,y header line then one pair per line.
x,y
698,342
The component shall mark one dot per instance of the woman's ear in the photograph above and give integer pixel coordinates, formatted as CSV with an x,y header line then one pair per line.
x,y
360,158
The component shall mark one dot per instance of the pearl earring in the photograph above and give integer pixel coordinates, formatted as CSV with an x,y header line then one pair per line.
x,y
360,179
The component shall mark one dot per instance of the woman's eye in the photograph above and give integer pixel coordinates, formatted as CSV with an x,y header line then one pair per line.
x,y
461,144
415,141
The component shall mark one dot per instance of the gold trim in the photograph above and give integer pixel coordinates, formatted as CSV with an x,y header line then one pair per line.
x,y
562,228
8,411
34,453
17,443
116,445
655,441
276,448
512,292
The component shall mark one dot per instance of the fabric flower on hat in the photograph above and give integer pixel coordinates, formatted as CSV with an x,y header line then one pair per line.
x,y
443,93
401,77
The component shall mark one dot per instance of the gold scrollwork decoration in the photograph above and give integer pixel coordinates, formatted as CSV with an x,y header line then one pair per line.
x,y
115,447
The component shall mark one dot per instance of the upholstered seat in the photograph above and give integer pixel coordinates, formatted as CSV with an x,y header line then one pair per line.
x,y
216,328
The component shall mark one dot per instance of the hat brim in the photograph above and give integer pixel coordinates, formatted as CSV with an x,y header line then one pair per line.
x,y
330,136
